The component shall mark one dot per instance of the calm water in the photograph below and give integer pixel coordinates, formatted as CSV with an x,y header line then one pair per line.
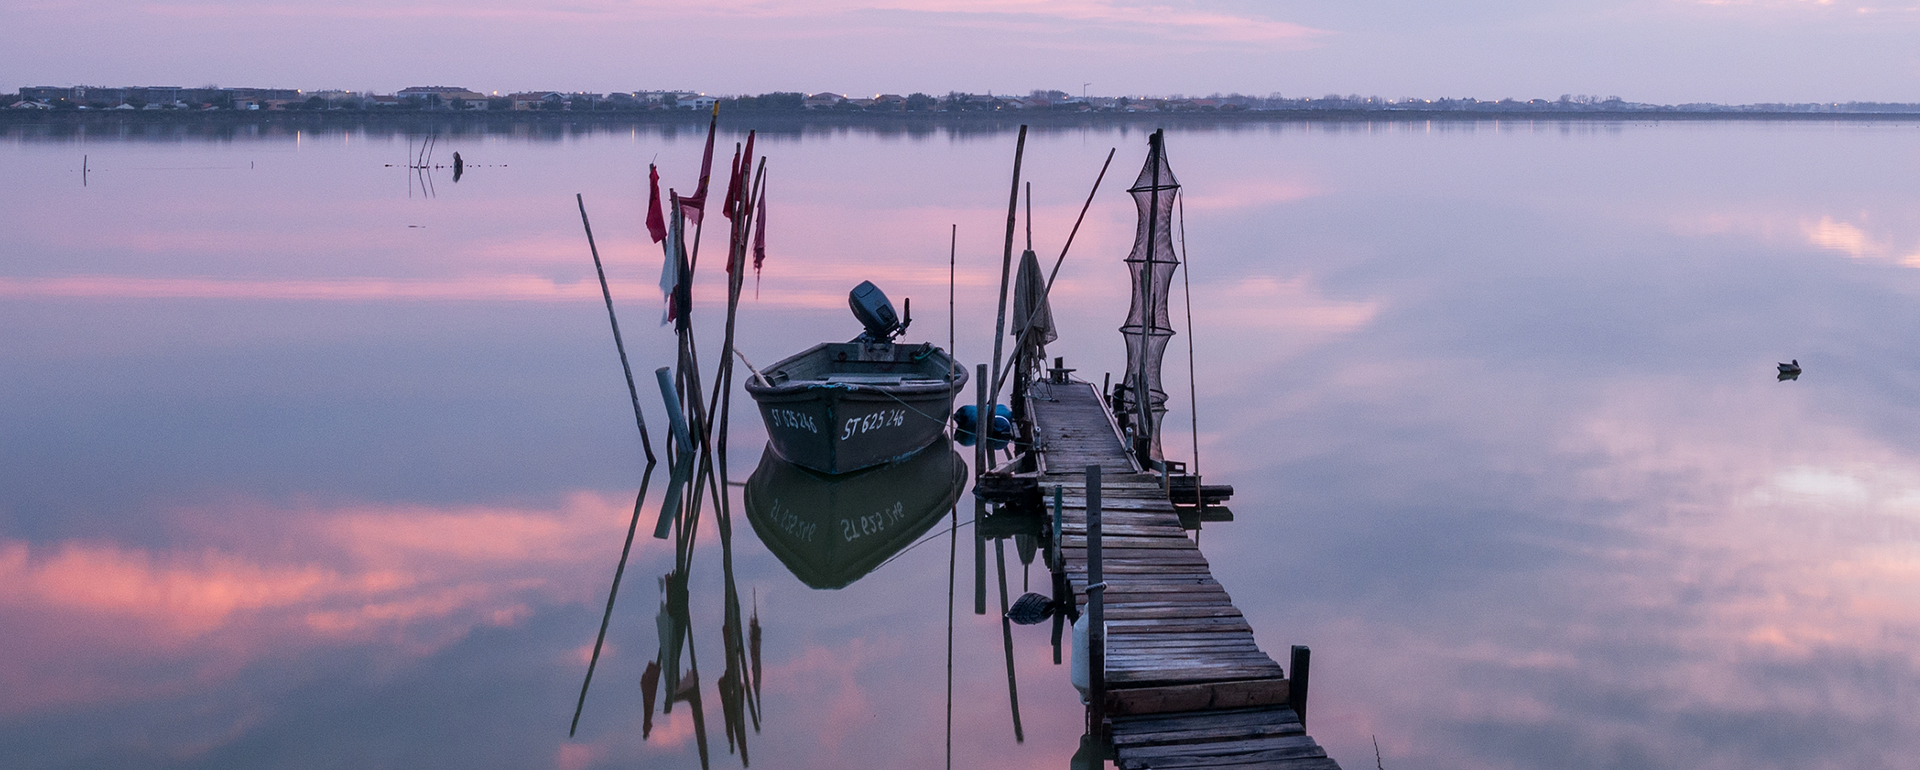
x,y
306,466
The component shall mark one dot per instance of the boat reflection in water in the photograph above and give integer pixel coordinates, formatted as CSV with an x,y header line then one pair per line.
x,y
833,530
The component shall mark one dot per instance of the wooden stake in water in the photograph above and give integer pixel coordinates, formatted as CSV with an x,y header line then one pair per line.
x,y
953,535
639,419
1006,270
1060,589
982,427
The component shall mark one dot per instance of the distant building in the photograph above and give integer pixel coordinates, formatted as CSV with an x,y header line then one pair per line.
x,y
442,97
536,100
825,100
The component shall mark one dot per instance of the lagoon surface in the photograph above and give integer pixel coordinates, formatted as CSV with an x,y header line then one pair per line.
x,y
309,465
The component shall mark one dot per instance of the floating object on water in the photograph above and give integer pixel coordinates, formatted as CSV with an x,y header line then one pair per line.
x,y
840,407
459,167
1790,371
999,433
1031,609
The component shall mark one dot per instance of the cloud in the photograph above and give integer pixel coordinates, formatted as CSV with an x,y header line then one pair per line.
x,y
1849,6
1853,237
1854,241
284,582
1186,20
1249,193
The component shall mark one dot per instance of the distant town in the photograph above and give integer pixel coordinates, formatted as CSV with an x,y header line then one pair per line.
x,y
461,99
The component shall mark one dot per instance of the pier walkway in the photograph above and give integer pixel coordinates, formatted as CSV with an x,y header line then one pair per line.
x,y
1187,684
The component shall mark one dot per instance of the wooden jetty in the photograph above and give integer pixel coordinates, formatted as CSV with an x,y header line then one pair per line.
x,y
1186,685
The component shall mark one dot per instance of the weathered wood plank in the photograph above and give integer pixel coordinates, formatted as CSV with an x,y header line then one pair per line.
x,y
1298,745
1124,612
1258,665
1079,542
1258,715
1294,759
1147,530
1227,641
1130,679
1196,697
1194,658
1204,731
1120,553
1187,624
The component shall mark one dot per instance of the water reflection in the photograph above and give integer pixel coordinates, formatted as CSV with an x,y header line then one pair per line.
x,y
833,530
285,467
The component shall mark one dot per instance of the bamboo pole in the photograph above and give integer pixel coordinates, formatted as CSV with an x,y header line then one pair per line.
x,y
633,392
953,534
1006,268
1142,391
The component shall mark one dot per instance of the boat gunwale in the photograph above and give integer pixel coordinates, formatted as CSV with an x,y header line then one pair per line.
x,y
927,386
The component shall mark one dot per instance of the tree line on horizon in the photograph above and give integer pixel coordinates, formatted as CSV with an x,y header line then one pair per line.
x,y
957,101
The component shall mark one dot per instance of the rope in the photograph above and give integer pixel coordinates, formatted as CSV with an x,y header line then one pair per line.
x,y
923,541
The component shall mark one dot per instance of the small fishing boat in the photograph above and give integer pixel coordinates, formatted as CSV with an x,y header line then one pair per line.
x,y
833,530
839,407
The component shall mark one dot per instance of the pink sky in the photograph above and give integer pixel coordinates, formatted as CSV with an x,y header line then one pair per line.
x,y
1669,51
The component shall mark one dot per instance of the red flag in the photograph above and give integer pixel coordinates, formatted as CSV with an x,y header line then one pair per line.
x,y
760,241
743,183
656,223
740,186
733,187
746,171
694,206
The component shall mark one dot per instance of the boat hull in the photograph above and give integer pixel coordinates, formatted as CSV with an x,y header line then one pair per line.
x,y
837,426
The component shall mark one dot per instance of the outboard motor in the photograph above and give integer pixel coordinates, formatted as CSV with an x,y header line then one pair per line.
x,y
870,305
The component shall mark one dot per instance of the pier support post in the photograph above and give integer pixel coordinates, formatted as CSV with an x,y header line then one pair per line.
x,y
1096,615
1062,592
1297,683
982,428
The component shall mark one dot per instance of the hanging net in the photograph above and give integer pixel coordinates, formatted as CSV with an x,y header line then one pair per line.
x,y
1148,328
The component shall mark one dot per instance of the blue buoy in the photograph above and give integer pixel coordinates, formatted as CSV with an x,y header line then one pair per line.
x,y
998,435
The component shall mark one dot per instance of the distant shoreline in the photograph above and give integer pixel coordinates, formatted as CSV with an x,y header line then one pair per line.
x,y
64,121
